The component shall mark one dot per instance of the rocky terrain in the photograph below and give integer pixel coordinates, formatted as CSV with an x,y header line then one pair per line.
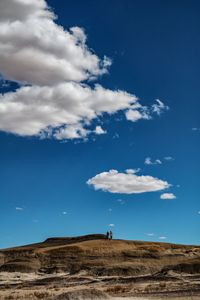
x,y
92,267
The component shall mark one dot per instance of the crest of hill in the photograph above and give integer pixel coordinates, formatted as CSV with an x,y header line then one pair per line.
x,y
91,241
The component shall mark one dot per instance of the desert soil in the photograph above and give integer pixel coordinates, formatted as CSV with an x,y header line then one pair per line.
x,y
91,267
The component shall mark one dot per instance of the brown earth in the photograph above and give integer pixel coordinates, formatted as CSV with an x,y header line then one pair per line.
x,y
92,267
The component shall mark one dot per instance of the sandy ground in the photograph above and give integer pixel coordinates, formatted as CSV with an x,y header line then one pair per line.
x,y
61,286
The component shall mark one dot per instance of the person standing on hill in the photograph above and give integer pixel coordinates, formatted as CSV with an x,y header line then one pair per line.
x,y
107,235
111,235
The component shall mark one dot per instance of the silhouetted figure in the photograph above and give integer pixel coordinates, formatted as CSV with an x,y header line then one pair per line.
x,y
107,235
111,235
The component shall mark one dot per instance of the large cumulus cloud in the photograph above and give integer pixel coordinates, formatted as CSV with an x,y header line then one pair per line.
x,y
31,109
51,64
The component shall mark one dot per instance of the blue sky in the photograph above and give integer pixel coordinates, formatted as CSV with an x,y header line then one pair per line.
x,y
153,52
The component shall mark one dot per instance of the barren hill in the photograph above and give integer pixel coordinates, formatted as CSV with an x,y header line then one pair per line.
x,y
96,255
93,256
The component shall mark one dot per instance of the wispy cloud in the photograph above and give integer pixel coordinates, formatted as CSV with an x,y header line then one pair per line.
x,y
116,136
18,208
150,234
162,237
159,107
121,201
150,161
127,183
168,158
138,112
195,129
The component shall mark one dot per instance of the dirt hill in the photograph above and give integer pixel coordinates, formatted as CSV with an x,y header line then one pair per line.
x,y
95,255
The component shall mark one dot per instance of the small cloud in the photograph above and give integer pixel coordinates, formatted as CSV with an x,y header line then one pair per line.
x,y
111,225
99,130
168,196
168,158
148,161
64,212
158,162
150,234
110,209
162,237
198,212
19,208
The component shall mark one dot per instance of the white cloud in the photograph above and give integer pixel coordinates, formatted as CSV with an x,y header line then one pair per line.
x,y
148,161
110,209
22,9
135,115
126,183
99,130
158,161
162,237
19,208
168,196
150,234
159,107
138,112
54,62
198,212
64,212
111,225
34,49
68,107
